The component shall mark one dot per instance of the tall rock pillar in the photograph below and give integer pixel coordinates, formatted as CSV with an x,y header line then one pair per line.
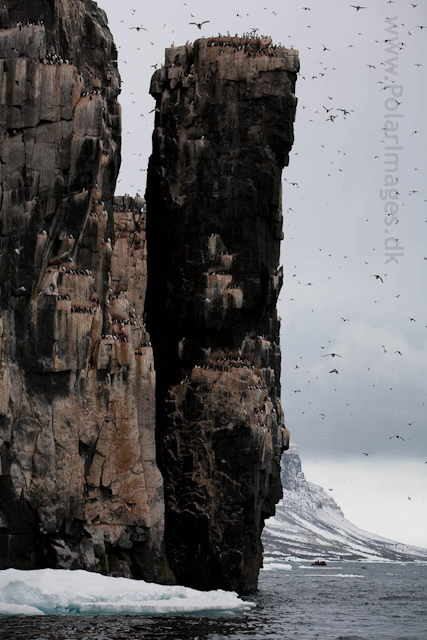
x,y
223,130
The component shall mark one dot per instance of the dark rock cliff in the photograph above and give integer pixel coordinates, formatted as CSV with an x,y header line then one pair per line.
x,y
79,484
224,127
83,419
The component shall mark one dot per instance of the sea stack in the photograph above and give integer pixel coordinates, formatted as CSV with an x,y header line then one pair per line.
x,y
225,109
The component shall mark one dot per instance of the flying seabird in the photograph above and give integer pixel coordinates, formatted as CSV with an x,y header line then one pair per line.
x,y
357,7
377,277
199,24
333,355
397,437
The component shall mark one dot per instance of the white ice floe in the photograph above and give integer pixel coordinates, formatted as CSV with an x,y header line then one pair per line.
x,y
276,566
7,609
62,592
310,566
332,576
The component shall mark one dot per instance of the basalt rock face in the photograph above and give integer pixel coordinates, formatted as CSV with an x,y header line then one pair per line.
x,y
224,127
79,484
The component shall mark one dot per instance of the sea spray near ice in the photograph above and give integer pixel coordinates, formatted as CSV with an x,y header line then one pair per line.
x,y
62,592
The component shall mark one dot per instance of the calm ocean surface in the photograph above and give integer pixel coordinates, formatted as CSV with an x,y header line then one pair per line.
x,y
342,601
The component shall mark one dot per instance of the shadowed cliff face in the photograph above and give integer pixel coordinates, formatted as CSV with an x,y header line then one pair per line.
x,y
224,126
79,484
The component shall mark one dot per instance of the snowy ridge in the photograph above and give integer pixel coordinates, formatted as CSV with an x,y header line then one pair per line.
x,y
309,523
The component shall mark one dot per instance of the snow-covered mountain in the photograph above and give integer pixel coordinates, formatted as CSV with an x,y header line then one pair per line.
x,y
310,524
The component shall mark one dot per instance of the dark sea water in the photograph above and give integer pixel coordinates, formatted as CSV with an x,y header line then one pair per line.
x,y
343,601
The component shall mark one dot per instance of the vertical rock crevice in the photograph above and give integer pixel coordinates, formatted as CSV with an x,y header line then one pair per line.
x,y
223,130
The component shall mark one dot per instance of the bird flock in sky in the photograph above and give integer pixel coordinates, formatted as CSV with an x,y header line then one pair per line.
x,y
329,111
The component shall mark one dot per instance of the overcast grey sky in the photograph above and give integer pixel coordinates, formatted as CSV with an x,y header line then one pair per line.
x,y
336,226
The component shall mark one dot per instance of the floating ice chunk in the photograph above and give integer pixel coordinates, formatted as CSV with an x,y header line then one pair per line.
x,y
7,609
276,566
62,592
332,576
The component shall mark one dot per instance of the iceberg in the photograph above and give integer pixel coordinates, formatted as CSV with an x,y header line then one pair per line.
x,y
63,592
